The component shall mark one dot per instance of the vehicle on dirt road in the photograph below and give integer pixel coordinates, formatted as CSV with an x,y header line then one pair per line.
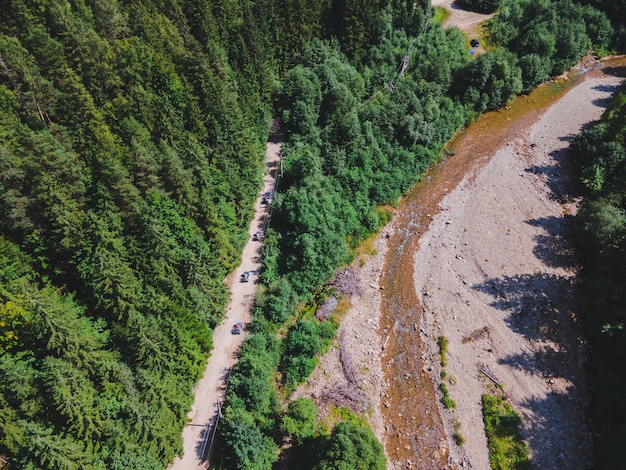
x,y
245,277
237,328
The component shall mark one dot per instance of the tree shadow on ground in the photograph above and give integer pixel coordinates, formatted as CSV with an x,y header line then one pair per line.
x,y
552,444
539,309
554,248
611,89
560,176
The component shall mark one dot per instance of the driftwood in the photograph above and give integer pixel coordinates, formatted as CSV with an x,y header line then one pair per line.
x,y
347,282
349,369
487,374
475,335
346,397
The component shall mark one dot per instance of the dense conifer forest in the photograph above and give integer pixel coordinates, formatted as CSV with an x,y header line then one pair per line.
x,y
132,138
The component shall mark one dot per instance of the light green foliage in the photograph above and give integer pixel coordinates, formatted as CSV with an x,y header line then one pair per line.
x,y
442,342
352,446
306,340
300,419
448,403
506,449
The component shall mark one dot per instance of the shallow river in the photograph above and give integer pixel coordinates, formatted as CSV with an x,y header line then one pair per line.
x,y
414,428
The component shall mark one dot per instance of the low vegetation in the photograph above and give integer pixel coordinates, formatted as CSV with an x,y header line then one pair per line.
x,y
442,342
507,451
448,403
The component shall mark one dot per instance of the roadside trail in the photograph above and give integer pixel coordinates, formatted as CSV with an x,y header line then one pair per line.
x,y
209,391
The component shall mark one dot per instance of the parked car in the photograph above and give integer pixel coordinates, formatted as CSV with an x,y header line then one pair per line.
x,y
474,43
257,236
237,328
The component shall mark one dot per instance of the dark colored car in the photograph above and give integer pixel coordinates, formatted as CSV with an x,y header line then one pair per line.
x,y
474,43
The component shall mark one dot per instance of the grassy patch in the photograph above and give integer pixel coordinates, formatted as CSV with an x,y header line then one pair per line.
x,y
441,14
443,349
507,450
448,403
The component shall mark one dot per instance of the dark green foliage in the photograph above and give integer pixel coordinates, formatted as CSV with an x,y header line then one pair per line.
x,y
352,446
358,24
549,36
491,80
506,448
130,153
304,343
251,449
131,145
299,421
481,6
601,224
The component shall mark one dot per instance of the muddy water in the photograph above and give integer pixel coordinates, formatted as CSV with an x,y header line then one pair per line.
x,y
414,430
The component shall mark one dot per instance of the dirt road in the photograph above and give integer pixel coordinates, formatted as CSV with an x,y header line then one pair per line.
x,y
466,21
209,391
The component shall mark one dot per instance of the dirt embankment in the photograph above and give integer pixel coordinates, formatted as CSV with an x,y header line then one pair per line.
x,y
483,251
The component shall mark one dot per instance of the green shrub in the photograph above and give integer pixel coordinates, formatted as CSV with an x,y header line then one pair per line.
x,y
507,450
448,402
306,340
353,447
300,419
443,349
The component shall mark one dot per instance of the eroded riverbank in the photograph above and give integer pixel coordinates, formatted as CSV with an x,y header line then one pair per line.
x,y
491,208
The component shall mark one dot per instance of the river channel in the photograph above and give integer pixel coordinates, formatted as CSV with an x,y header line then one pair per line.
x,y
415,436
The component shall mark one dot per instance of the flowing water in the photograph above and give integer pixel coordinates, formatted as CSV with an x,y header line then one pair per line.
x,y
414,429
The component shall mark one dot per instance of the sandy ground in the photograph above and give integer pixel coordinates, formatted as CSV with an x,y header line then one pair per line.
x,y
466,21
495,274
210,390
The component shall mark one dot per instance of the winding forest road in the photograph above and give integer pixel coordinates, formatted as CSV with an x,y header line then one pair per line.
x,y
210,390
